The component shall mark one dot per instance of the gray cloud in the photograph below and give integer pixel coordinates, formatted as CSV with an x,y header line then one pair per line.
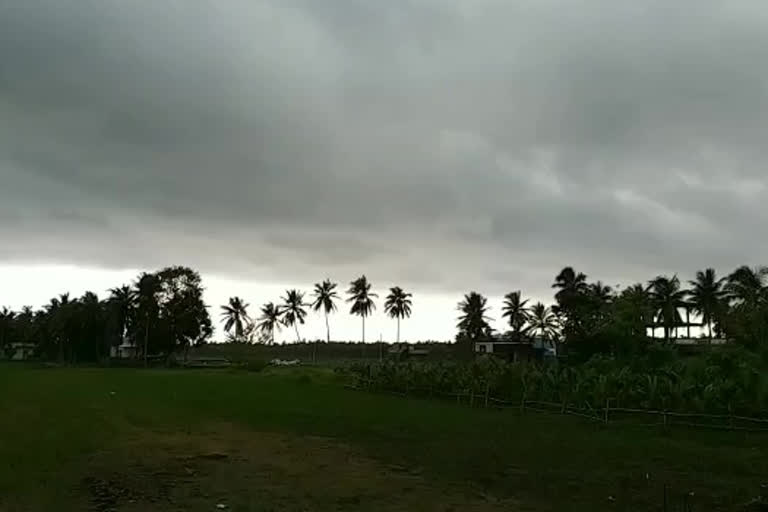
x,y
451,144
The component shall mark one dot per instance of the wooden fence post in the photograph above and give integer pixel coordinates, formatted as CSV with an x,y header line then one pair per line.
x,y
607,404
487,393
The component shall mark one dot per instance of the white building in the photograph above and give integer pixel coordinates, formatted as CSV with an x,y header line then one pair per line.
x,y
20,351
123,351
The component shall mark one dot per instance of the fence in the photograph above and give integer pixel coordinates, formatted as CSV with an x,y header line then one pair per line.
x,y
605,415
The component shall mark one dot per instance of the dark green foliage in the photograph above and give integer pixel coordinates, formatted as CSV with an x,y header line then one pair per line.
x,y
398,305
543,322
163,312
667,298
517,313
293,310
585,312
269,321
722,382
746,321
325,299
707,298
235,315
593,319
170,313
473,323
572,303
361,297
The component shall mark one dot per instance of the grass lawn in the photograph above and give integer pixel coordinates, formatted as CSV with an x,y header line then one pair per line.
x,y
295,440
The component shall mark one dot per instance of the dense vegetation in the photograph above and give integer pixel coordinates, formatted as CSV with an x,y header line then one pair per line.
x,y
610,356
590,318
164,312
160,313
729,381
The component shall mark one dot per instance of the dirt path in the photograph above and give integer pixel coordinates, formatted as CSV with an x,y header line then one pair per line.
x,y
227,468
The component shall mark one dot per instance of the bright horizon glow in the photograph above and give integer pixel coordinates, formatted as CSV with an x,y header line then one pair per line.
x,y
434,315
433,318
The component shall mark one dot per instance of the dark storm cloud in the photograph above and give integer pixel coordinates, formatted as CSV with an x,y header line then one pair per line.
x,y
449,143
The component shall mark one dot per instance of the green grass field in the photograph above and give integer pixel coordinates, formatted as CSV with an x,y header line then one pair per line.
x,y
151,440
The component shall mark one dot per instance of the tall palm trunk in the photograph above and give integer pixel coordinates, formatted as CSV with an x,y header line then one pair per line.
x,y
688,322
363,347
146,343
398,329
327,338
298,338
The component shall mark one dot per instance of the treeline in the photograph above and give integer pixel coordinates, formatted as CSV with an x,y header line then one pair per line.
x,y
163,312
291,311
159,313
591,317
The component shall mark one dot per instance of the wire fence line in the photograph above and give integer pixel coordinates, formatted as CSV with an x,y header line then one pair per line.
x,y
606,415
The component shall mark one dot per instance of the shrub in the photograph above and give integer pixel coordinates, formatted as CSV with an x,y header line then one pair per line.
x,y
728,381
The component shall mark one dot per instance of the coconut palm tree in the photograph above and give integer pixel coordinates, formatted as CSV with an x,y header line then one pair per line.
x,y
361,297
7,318
293,310
90,327
544,323
516,311
602,293
667,297
147,289
235,314
473,322
573,302
398,305
325,298
746,286
123,301
269,321
569,283
706,297
635,303
59,314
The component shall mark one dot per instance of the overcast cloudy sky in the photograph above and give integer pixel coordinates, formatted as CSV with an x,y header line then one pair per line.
x,y
442,145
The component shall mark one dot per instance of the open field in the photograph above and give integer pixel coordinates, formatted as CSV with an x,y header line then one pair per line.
x,y
151,440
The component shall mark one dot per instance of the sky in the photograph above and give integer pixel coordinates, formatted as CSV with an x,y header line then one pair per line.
x,y
440,145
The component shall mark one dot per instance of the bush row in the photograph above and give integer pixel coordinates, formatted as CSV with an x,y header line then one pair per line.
x,y
722,382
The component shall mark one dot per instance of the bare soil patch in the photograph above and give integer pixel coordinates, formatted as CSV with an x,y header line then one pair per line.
x,y
229,468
